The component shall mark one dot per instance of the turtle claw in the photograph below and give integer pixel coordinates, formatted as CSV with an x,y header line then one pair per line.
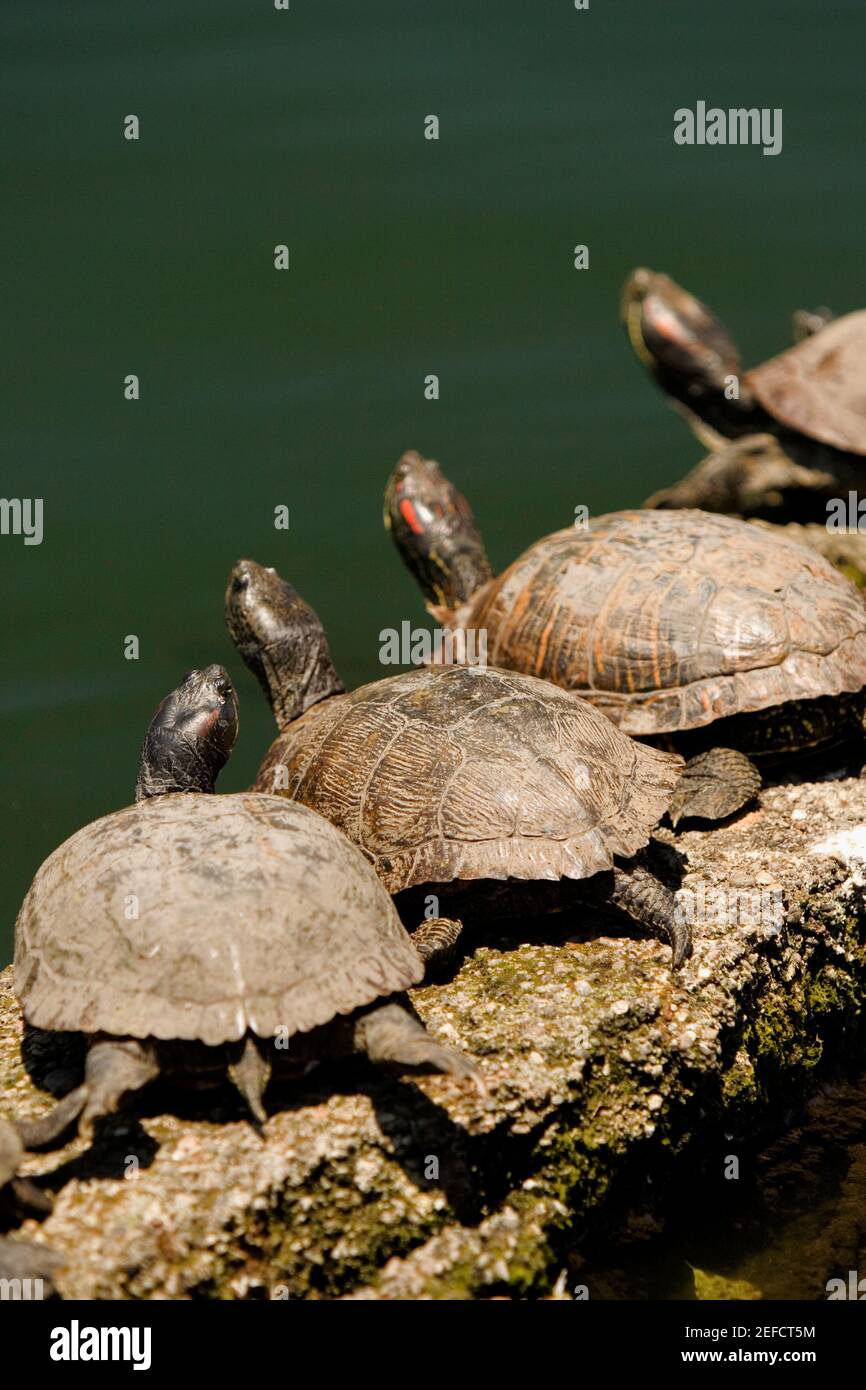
x,y
714,785
647,901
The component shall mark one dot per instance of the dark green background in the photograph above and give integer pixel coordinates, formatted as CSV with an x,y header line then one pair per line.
x,y
408,257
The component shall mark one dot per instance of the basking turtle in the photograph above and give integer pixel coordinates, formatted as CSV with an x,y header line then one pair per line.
x,y
702,631
811,398
496,791
198,935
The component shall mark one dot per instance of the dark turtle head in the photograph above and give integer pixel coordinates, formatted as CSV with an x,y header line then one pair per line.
x,y
281,639
435,532
190,737
687,349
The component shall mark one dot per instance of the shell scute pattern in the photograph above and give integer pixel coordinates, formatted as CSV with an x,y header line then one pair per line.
x,y
670,620
218,880
477,773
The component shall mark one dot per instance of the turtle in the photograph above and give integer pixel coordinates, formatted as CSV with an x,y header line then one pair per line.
x,y
697,631
485,794
201,936
811,398
20,1198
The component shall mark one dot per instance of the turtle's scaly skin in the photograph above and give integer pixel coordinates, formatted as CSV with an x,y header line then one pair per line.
x,y
471,773
670,621
253,915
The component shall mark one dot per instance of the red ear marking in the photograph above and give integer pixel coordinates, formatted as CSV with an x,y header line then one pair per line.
x,y
407,511
207,723
668,326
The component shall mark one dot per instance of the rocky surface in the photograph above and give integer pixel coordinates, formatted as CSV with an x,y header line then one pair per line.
x,y
604,1074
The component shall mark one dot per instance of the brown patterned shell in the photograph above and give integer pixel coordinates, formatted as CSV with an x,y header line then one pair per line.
x,y
668,620
253,914
466,772
819,386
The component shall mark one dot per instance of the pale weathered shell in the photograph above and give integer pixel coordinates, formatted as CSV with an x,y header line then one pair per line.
x,y
253,913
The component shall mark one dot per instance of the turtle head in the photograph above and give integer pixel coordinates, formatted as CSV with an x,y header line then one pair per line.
x,y
191,736
688,350
433,528
281,639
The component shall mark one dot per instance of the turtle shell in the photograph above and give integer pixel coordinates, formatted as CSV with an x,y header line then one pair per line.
x,y
668,620
11,1152
819,386
253,914
466,772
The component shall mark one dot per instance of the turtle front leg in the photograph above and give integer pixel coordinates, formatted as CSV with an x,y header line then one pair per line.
x,y
714,785
436,941
390,1036
645,899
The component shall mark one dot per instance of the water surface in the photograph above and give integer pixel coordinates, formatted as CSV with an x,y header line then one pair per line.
x,y
408,257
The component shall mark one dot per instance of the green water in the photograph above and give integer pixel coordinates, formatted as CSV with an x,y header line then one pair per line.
x,y
407,257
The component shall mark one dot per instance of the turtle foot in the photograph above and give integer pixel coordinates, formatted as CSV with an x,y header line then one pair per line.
x,y
390,1036
436,943
639,893
714,785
